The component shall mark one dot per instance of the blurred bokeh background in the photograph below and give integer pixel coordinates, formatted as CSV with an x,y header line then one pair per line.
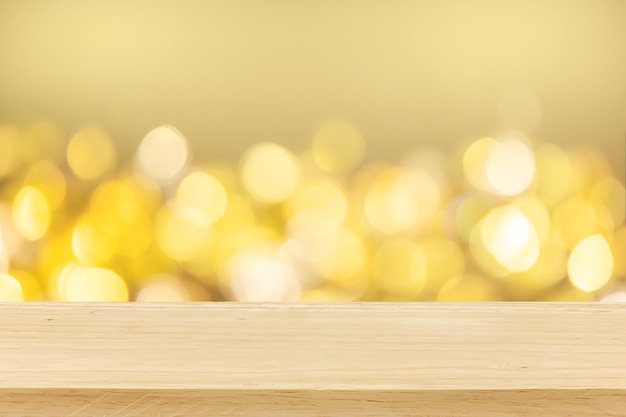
x,y
318,151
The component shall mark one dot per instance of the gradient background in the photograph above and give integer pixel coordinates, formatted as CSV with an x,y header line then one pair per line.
x,y
232,73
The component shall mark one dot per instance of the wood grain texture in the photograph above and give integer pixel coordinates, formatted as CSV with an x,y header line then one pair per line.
x,y
359,359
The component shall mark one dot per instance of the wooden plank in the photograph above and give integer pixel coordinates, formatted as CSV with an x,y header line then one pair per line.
x,y
434,359
270,403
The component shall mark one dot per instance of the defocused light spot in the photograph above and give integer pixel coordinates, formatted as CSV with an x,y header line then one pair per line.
x,y
316,209
119,211
618,296
568,293
537,213
511,238
178,237
444,262
90,154
261,278
340,257
338,147
299,255
114,201
48,179
618,247
549,270
201,198
4,256
88,284
610,193
399,269
163,153
400,202
165,288
90,245
483,256
520,109
336,259
468,288
53,256
554,172
510,167
322,295
249,239
269,172
577,218
475,162
30,286
11,238
31,213
590,265
10,289
588,166
206,258
469,211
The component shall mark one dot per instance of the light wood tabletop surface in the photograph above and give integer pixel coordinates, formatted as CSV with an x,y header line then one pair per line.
x,y
357,359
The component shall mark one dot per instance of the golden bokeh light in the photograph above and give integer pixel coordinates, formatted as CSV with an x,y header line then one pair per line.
x,y
568,294
10,289
399,269
549,270
90,284
259,277
464,213
554,172
618,247
400,201
577,218
163,154
469,288
538,222
4,257
511,238
31,287
300,255
372,151
200,198
445,262
90,154
49,179
177,236
341,256
610,194
510,167
10,238
615,296
317,208
590,265
118,209
31,213
537,213
269,172
90,244
338,147
588,166
164,288
475,162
